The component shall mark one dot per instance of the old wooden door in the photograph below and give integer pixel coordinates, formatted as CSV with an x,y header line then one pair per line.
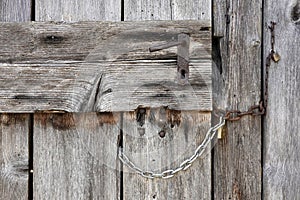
x,y
50,155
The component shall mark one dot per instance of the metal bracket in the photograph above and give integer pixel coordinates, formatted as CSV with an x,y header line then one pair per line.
x,y
183,44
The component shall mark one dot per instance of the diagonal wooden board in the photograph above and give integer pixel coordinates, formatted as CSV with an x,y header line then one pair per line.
x,y
101,66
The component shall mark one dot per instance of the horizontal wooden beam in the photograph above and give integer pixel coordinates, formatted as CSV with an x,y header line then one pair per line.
x,y
102,66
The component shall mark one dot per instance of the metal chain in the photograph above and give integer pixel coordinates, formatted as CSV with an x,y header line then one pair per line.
x,y
231,115
184,165
235,115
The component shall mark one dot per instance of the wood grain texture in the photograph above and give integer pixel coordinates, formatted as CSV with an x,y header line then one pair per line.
x,y
236,85
70,10
281,137
15,10
14,129
184,131
102,66
167,10
151,152
75,156
136,10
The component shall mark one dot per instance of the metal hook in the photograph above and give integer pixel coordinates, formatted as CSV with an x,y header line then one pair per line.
x,y
183,44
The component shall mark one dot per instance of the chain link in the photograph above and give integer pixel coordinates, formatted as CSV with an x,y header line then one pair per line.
x,y
235,115
231,115
184,165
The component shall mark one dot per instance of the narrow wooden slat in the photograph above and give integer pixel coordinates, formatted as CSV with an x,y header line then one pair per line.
x,y
281,138
102,67
14,129
70,10
136,10
184,131
75,156
167,10
15,10
151,152
191,9
237,85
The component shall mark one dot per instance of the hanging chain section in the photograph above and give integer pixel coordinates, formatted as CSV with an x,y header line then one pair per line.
x,y
210,135
260,109
230,115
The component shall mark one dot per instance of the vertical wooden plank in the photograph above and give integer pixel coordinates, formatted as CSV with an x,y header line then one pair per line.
x,y
78,10
75,156
281,179
191,9
14,129
237,85
72,164
166,10
135,10
145,147
15,10
148,150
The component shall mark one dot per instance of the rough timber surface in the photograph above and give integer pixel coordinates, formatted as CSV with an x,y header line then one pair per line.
x,y
237,85
14,128
101,66
281,162
75,156
14,164
77,10
144,145
184,131
15,10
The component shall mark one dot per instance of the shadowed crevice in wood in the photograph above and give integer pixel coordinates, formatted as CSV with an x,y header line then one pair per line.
x,y
295,11
216,52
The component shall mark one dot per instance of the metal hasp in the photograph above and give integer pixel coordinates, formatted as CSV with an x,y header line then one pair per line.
x,y
183,44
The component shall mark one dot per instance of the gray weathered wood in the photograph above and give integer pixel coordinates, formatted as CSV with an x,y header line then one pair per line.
x,y
281,137
14,156
101,66
191,9
151,152
237,85
167,10
15,10
135,10
14,128
184,131
75,156
78,10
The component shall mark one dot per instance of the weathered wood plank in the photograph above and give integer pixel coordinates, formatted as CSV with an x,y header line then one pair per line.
x,y
75,156
237,85
14,129
184,131
151,152
167,10
102,67
191,9
15,10
135,10
281,163
70,10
